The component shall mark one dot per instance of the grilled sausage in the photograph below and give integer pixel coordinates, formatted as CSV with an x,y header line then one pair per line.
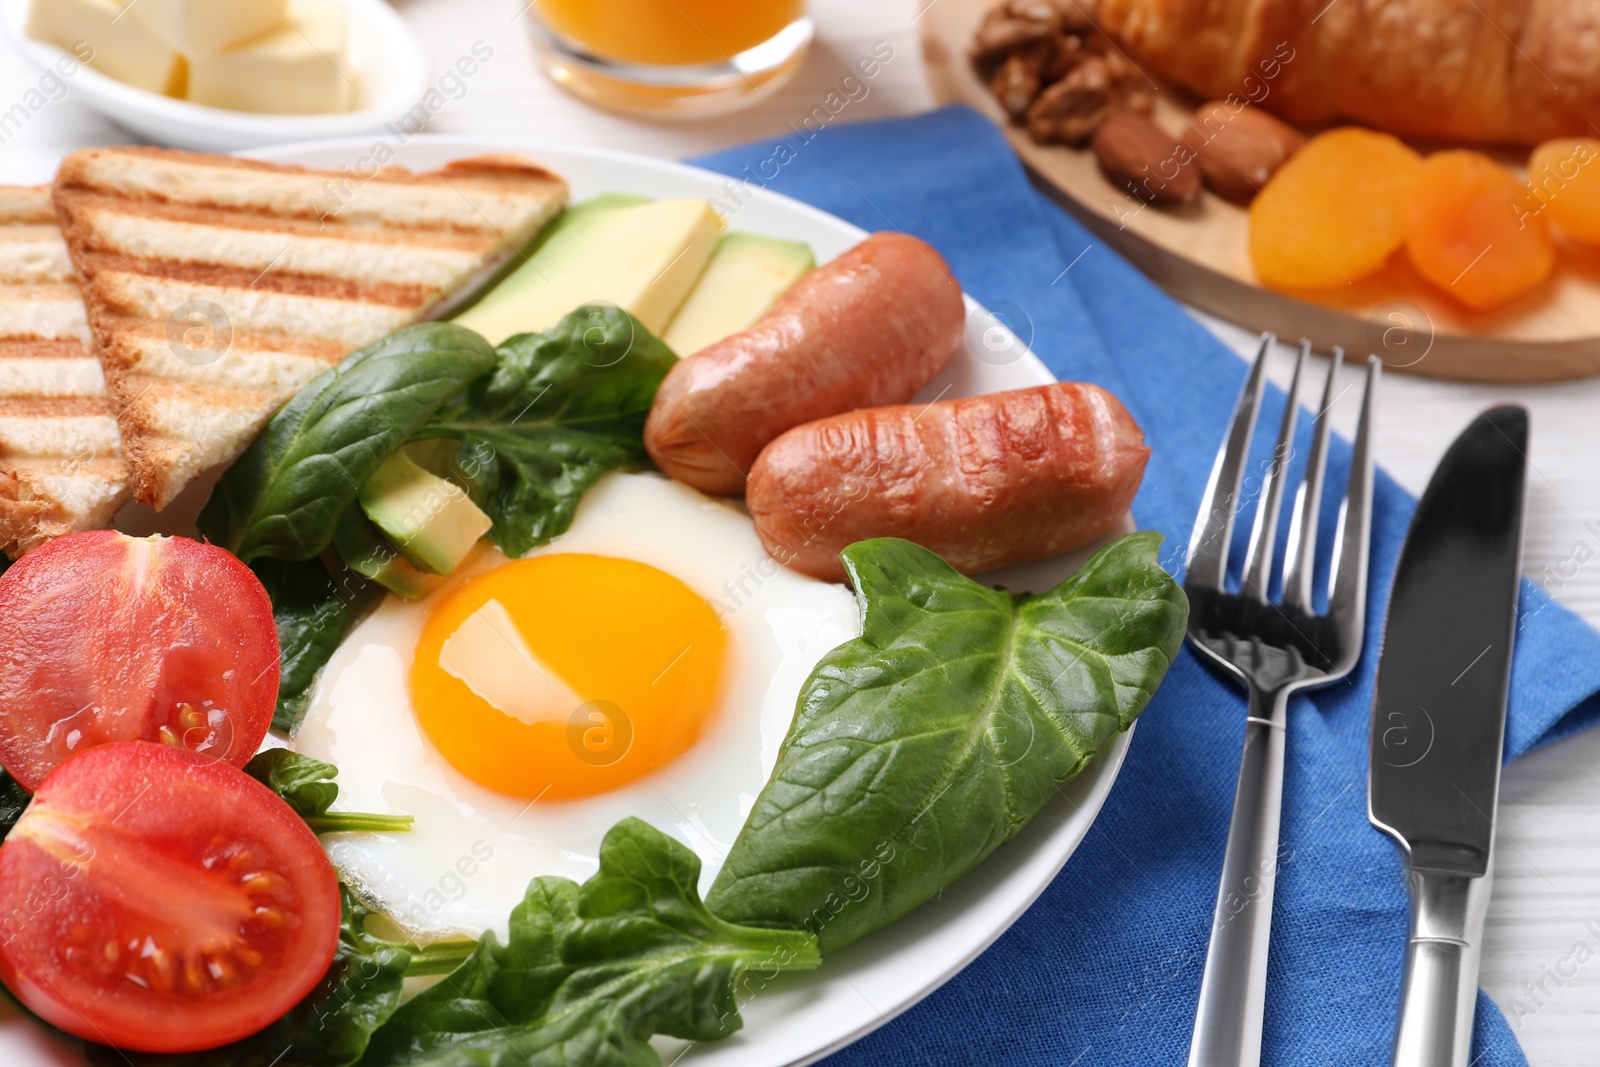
x,y
871,327
985,481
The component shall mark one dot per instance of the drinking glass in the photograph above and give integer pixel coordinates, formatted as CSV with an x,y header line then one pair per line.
x,y
671,58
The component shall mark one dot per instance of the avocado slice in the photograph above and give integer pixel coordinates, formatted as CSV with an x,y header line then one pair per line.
x,y
364,549
644,259
429,519
746,275
475,291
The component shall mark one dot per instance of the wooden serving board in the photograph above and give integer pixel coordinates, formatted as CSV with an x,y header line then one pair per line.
x,y
1199,254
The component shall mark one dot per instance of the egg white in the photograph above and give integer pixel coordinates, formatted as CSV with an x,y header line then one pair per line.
x,y
472,851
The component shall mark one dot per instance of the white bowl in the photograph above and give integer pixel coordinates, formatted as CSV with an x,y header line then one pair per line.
x,y
385,58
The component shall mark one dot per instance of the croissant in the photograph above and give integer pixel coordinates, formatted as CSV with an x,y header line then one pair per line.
x,y
1465,70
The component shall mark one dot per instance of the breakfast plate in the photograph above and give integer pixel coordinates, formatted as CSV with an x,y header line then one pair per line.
x,y
385,59
796,1018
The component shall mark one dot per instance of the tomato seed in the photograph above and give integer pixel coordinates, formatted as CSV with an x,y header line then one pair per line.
x,y
189,717
263,882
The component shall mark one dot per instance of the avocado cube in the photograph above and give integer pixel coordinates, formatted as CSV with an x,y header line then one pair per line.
x,y
429,519
363,548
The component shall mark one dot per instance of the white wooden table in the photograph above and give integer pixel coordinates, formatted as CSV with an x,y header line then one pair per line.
x,y
1542,963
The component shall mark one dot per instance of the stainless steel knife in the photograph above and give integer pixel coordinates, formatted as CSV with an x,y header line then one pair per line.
x,y
1438,723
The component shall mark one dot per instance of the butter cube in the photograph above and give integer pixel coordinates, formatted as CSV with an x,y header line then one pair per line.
x,y
296,71
206,27
115,46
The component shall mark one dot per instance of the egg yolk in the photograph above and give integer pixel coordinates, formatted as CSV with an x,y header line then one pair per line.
x,y
567,675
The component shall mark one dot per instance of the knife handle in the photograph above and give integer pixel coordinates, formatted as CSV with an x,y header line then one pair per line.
x,y
1440,990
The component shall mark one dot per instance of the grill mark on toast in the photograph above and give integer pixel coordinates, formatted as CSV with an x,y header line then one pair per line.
x,y
475,241
29,349
271,280
54,407
433,200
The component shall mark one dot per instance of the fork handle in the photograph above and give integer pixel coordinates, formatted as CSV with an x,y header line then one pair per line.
x,y
1227,1025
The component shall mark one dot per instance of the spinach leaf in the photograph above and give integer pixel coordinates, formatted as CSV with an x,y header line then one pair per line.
x,y
13,798
313,613
307,786
561,409
923,745
329,1028
284,495
591,972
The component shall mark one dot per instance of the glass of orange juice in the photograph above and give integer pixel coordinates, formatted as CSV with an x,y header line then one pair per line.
x,y
683,58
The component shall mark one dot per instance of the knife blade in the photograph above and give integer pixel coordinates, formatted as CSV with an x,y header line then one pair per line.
x,y
1438,722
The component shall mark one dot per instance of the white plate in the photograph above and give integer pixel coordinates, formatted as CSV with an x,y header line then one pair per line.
x,y
386,63
797,1019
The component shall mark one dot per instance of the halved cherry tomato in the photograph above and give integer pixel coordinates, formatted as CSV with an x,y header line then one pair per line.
x,y
156,900
116,638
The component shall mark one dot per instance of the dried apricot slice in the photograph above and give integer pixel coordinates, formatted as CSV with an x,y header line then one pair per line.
x,y
1334,212
1473,230
1564,177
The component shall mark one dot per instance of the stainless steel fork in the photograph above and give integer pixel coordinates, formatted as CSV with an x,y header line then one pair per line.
x,y
1275,650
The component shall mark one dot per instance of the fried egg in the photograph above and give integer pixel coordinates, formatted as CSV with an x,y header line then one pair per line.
x,y
645,663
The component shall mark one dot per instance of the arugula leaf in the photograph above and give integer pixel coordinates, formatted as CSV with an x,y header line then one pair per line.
x,y
329,1028
561,409
307,786
590,973
942,731
313,613
284,495
13,798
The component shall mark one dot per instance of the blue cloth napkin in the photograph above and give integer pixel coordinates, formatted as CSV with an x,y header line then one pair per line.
x,y
1105,968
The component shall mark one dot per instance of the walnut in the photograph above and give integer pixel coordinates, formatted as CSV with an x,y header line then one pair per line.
x,y
1011,26
1077,16
1020,78
1068,53
1069,111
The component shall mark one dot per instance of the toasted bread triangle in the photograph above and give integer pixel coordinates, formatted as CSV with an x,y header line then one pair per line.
x,y
216,287
61,466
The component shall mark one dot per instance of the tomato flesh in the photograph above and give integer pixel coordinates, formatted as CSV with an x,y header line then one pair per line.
x,y
115,638
157,900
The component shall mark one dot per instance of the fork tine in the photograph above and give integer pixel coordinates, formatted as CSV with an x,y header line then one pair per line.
x,y
1347,598
1264,533
1207,564
1302,545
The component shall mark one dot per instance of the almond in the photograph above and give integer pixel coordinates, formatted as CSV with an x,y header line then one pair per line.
x,y
1239,148
1142,159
